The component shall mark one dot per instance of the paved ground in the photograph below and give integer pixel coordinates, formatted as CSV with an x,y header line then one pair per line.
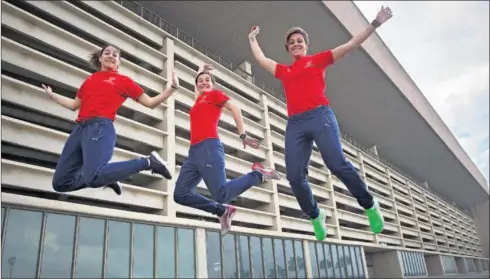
x,y
469,275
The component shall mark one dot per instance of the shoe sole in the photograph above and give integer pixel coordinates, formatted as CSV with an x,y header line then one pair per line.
x,y
161,161
223,233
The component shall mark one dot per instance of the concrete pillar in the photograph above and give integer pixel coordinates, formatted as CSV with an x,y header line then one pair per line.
x,y
246,67
482,223
461,264
201,260
434,265
387,265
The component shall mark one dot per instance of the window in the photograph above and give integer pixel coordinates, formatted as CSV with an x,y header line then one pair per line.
x,y
244,257
213,254
313,260
118,245
256,255
186,253
413,264
90,248
165,254
229,257
143,251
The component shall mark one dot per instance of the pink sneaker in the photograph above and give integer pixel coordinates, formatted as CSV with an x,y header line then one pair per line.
x,y
267,173
226,218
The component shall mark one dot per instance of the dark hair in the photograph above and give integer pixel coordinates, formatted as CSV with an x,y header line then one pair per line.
x,y
205,73
94,57
296,30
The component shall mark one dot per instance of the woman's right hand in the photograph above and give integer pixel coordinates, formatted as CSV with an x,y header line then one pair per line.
x,y
205,68
48,90
253,33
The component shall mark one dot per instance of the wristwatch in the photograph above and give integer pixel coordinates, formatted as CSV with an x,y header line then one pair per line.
x,y
375,23
243,136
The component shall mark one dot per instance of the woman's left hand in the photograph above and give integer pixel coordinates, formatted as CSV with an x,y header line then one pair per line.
x,y
384,15
175,81
254,143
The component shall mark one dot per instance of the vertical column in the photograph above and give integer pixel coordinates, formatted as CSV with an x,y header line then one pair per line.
x,y
201,256
442,222
306,255
271,185
168,125
333,204
392,191
364,263
407,182
360,156
430,219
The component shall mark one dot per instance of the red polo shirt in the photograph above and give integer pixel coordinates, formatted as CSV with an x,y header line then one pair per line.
x,y
304,82
104,92
205,115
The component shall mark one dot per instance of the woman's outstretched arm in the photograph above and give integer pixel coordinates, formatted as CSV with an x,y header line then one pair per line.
x,y
266,63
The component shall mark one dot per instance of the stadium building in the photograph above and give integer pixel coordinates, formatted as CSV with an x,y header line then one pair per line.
x,y
434,199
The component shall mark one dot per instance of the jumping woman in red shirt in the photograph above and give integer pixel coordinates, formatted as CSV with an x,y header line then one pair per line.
x,y
84,161
310,118
206,159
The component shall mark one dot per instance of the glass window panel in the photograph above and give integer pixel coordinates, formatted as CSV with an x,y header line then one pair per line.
x,y
409,265
300,259
143,250
21,244
412,263
360,263
118,245
229,257
59,238
328,260
348,261
290,259
416,264
90,248
213,254
268,258
279,257
341,261
322,268
186,254
3,217
353,258
335,261
165,252
313,259
244,257
257,262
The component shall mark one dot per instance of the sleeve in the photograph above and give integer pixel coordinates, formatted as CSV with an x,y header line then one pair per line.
x,y
131,89
82,89
281,69
323,59
220,98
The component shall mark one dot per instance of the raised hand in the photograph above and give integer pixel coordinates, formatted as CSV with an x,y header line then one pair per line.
x,y
248,141
205,68
253,33
48,90
384,14
175,81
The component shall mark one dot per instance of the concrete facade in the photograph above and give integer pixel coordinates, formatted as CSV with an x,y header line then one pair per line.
x,y
49,42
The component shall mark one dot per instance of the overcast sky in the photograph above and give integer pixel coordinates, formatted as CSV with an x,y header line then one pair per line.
x,y
444,48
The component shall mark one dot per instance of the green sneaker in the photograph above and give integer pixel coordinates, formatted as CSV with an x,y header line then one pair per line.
x,y
320,226
376,220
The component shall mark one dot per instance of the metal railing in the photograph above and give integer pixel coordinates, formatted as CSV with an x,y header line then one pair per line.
x,y
158,21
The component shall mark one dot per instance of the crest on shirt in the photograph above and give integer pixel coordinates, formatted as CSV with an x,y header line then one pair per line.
x,y
309,64
111,80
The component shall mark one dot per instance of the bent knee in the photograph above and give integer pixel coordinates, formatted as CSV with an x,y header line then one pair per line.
x,y
219,196
296,177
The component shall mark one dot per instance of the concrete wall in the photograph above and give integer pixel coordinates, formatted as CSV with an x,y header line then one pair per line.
x,y
481,215
387,265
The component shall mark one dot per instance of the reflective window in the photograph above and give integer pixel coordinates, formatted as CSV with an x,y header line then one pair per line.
x,y
229,257
90,248
341,261
300,259
186,253
143,250
257,262
290,259
118,244
335,261
313,259
165,252
279,257
244,257
347,261
268,258
21,244
360,263
355,272
328,260
213,254
322,267
413,263
3,217
59,237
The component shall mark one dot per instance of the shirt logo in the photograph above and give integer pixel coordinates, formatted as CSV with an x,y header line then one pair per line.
x,y
111,80
309,64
